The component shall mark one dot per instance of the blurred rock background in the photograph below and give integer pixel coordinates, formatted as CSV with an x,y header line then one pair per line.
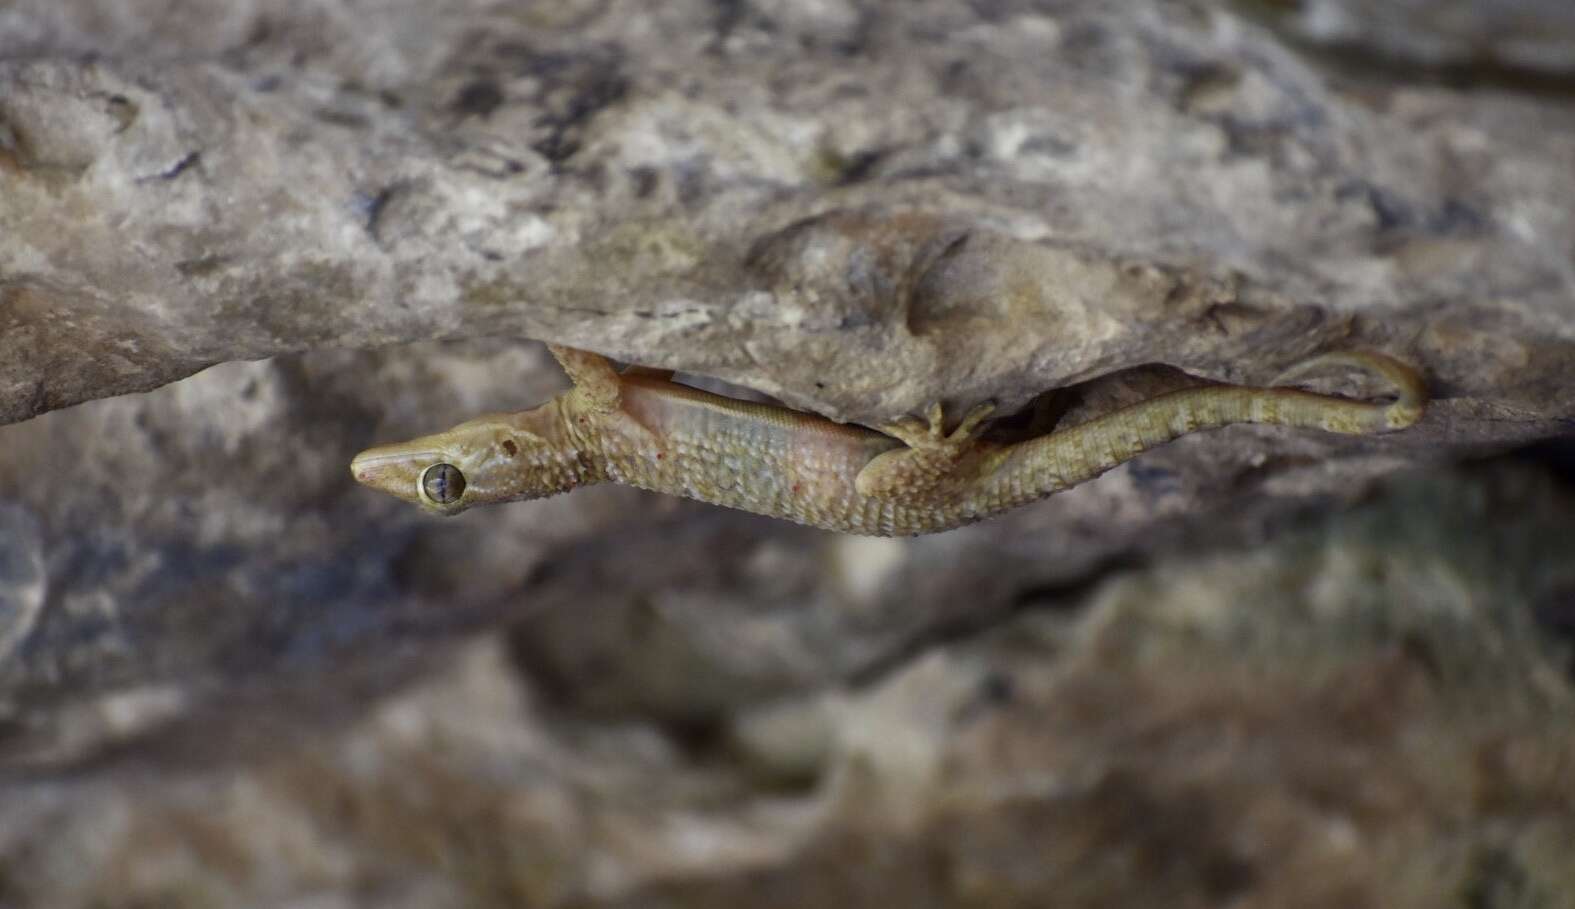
x,y
1253,668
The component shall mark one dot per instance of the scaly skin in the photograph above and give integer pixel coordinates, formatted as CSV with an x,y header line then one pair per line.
x,y
642,430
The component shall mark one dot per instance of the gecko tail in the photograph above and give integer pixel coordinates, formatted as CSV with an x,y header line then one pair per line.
x,y
1038,467
1410,391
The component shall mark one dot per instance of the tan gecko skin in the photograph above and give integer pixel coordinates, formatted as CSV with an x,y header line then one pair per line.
x,y
643,430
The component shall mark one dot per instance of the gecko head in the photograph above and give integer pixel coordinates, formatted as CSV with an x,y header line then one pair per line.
x,y
492,458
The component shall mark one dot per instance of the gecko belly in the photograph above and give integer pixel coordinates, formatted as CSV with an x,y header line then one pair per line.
x,y
752,457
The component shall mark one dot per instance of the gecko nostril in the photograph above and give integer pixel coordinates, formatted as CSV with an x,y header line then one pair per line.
x,y
510,447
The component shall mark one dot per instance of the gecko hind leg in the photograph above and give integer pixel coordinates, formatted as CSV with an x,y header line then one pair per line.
x,y
932,457
596,384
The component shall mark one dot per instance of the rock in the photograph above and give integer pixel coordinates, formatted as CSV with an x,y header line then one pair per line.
x,y
22,578
925,202
1522,44
1359,712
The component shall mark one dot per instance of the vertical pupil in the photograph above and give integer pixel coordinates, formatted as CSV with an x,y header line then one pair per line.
x,y
443,483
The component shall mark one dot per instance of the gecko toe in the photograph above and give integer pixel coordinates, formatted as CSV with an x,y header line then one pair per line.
x,y
970,423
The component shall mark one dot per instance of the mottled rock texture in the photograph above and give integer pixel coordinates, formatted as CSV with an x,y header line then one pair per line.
x,y
1524,44
228,676
916,200
1361,713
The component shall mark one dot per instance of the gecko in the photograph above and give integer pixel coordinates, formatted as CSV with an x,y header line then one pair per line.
x,y
909,477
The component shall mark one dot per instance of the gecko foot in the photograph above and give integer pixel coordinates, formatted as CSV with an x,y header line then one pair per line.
x,y
930,432
933,461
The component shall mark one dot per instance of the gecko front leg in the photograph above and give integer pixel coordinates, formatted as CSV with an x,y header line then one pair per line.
x,y
596,384
934,461
595,410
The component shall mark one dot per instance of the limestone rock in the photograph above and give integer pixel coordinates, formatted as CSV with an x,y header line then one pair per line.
x,y
915,201
1524,44
1361,712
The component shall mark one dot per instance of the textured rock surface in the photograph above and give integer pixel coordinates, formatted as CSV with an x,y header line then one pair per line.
x,y
229,677
1526,44
1361,713
918,200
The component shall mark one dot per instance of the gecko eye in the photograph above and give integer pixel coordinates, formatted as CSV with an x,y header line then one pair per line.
x,y
443,483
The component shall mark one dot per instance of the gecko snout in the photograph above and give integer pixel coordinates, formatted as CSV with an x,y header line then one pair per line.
x,y
392,469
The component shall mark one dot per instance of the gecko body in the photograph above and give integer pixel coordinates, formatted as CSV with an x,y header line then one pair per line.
x,y
912,477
